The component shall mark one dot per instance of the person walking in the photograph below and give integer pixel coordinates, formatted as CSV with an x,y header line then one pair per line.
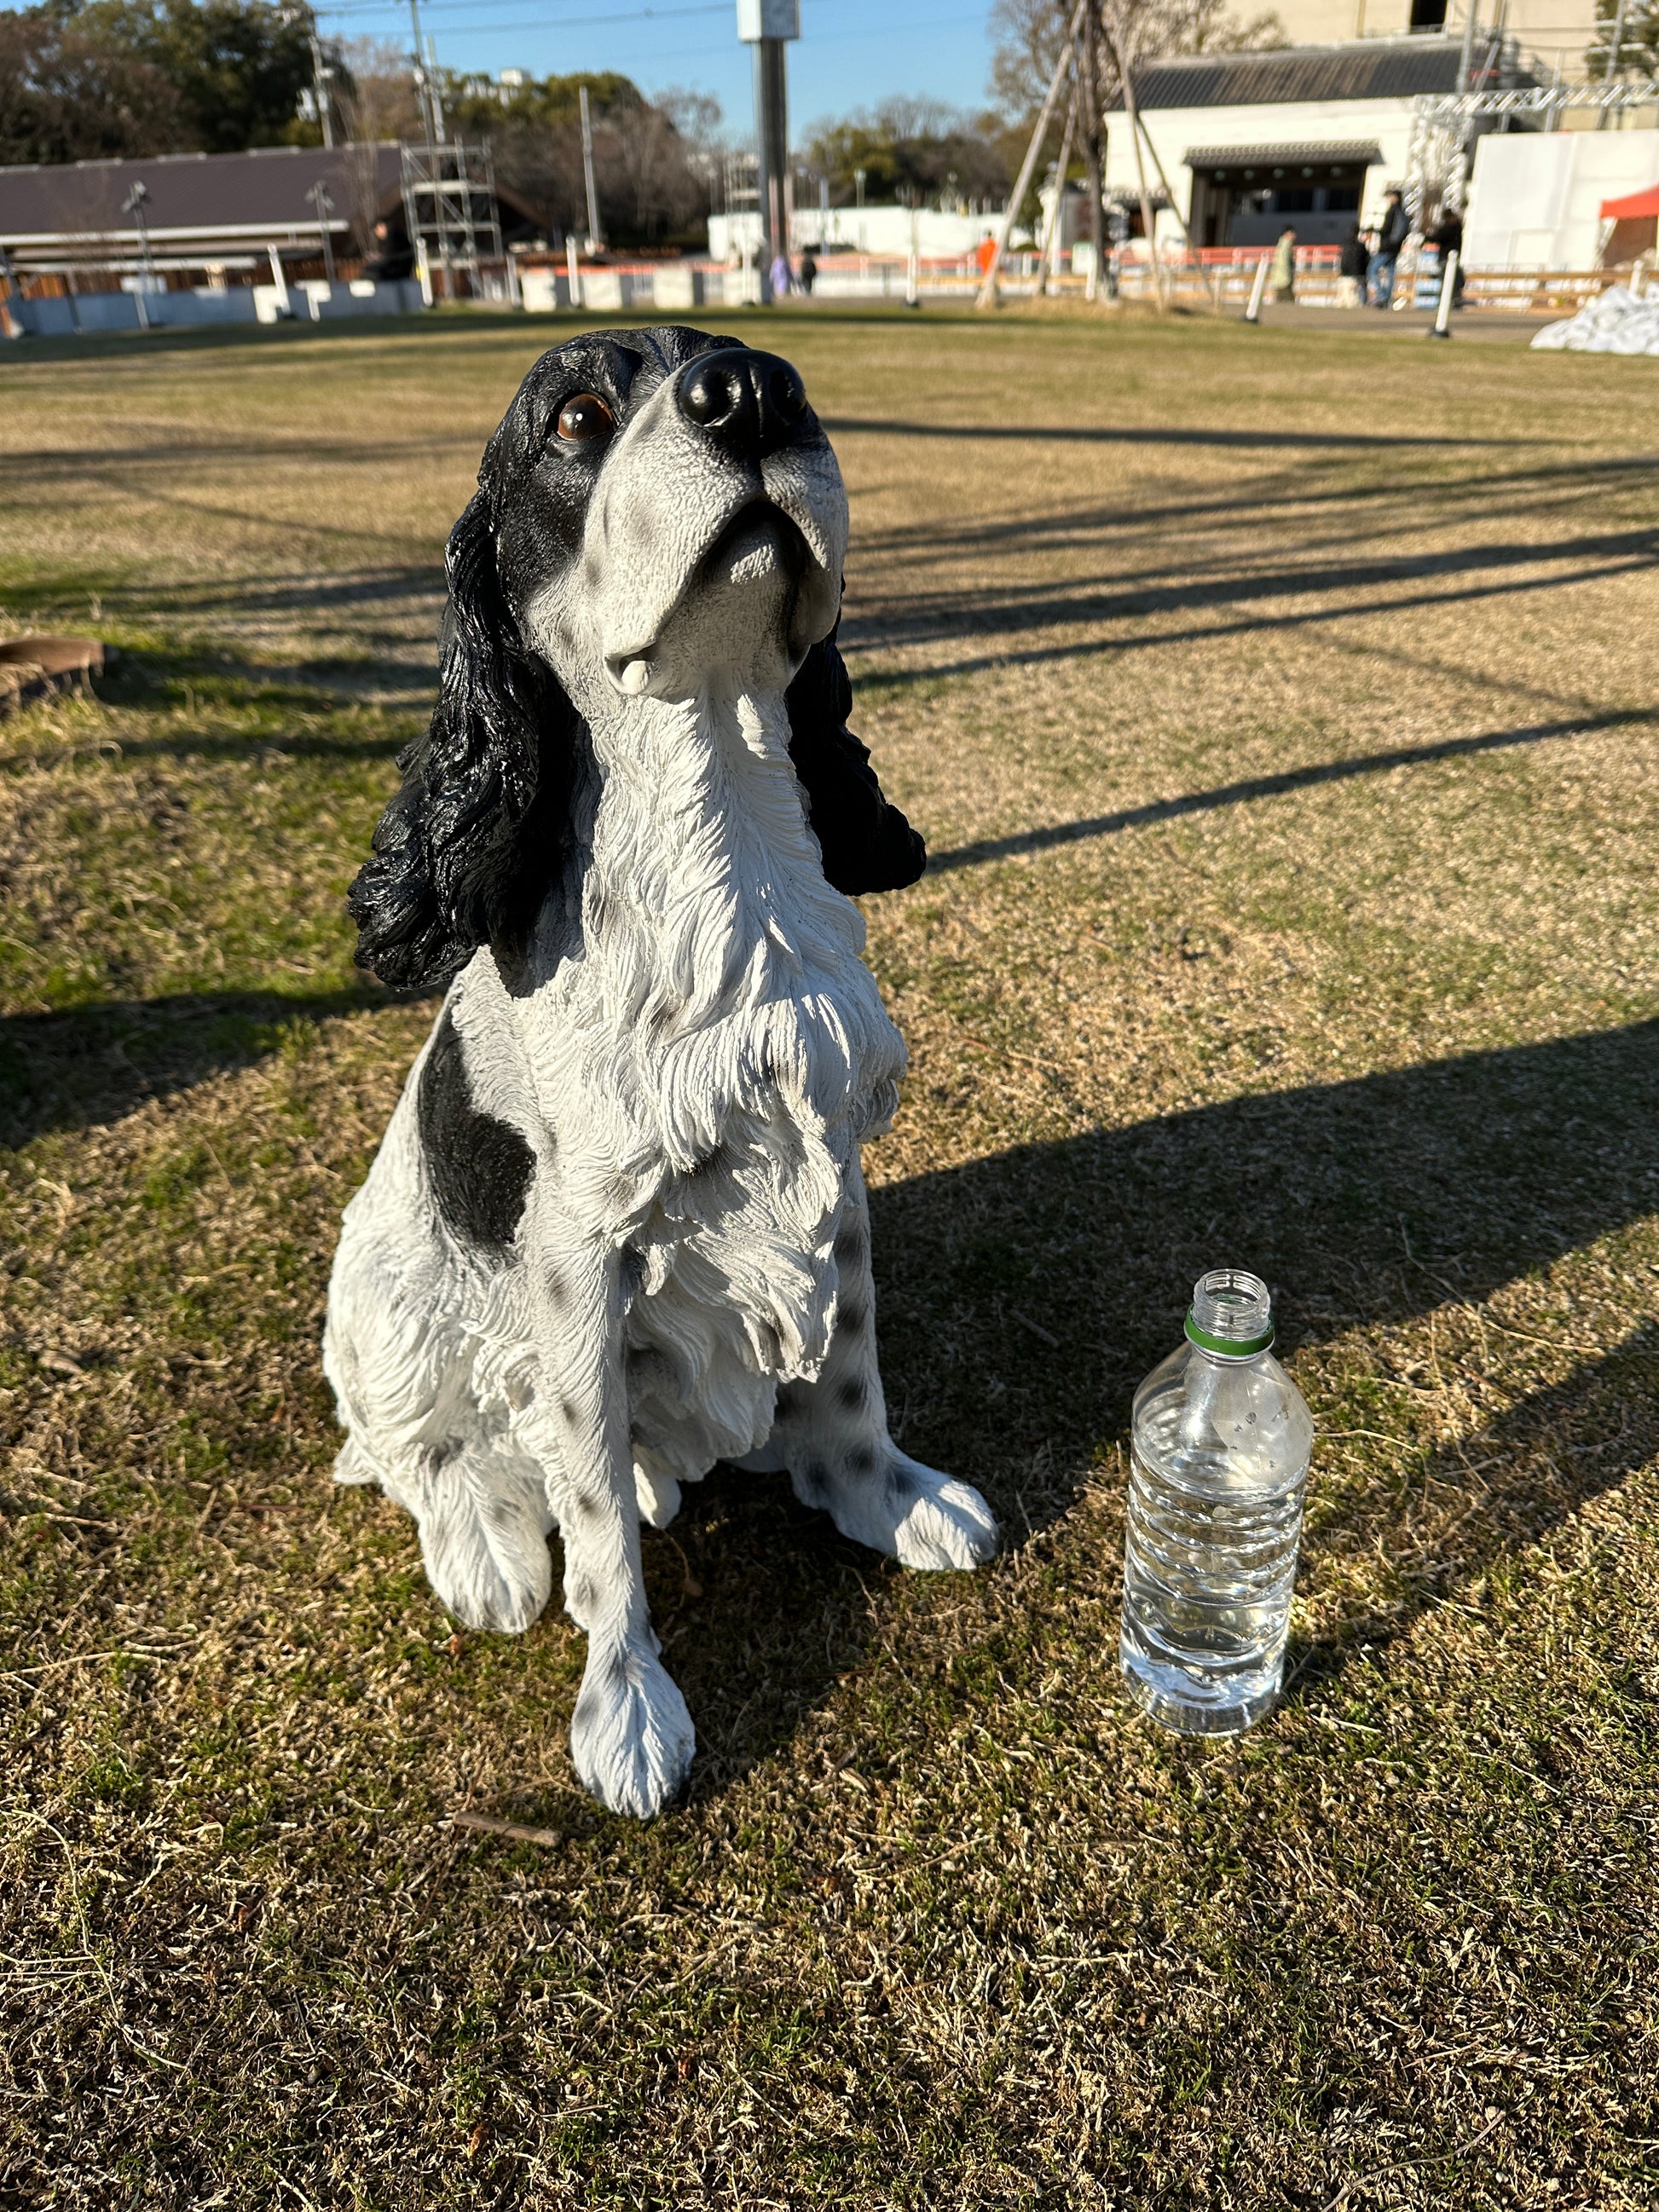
x,y
782,283
1351,265
807,274
1282,279
1392,233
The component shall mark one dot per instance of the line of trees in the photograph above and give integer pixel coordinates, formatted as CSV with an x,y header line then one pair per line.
x,y
85,80
96,80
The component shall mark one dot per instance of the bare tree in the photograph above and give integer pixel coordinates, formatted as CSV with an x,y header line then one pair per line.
x,y
374,94
1029,33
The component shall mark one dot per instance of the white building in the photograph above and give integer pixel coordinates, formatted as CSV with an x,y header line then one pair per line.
x,y
1311,136
883,231
1536,202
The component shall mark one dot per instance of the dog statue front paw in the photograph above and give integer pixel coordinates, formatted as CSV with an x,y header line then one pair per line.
x,y
631,1739
949,1525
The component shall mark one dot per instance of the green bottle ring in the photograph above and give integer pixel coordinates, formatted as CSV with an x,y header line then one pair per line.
x,y
1229,1347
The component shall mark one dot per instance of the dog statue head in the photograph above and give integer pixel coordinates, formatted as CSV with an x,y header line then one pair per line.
x,y
660,514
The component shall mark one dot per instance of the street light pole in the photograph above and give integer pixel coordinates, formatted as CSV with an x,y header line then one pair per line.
x,y
323,200
320,78
768,25
134,205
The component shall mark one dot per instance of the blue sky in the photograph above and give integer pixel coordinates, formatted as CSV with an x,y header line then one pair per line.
x,y
851,53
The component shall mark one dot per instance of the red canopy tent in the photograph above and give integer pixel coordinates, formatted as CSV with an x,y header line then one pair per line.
x,y
1635,232
1633,207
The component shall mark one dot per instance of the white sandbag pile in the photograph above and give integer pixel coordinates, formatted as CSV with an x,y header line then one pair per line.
x,y
1615,321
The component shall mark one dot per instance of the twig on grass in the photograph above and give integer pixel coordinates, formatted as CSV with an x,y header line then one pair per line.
x,y
487,1825
1430,2158
1036,1328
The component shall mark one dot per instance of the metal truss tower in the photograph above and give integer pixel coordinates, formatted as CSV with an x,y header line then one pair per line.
x,y
1444,126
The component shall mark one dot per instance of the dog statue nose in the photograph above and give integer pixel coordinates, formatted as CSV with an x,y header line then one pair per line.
x,y
748,402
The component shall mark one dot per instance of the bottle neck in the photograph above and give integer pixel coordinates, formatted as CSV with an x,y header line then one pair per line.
x,y
1235,1350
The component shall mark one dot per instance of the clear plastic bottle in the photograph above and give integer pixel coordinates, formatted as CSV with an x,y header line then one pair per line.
x,y
1221,1444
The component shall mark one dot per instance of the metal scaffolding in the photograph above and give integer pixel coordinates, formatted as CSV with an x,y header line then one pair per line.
x,y
1445,125
449,204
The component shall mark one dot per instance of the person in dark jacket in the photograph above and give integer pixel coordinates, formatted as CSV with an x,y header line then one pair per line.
x,y
1391,234
1351,270
392,259
807,274
1448,236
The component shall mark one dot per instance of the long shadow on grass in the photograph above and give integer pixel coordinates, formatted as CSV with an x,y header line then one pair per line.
x,y
73,1069
1272,787
1086,433
1021,1298
948,617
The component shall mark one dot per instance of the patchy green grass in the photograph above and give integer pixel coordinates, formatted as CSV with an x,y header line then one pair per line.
x,y
1279,708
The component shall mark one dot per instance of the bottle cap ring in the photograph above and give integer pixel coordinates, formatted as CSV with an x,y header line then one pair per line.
x,y
1229,1347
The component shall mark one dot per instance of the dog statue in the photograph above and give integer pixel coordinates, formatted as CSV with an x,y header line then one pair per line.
x,y
618,1229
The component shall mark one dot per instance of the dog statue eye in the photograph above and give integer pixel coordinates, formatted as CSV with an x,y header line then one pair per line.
x,y
585,416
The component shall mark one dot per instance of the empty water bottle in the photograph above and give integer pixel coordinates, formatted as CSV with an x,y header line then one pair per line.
x,y
1221,1444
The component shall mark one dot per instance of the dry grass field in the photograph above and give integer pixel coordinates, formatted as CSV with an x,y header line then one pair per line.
x,y
1280,709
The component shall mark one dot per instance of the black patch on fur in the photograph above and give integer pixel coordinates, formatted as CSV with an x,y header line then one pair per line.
x,y
815,1481
854,1318
480,1167
849,1244
868,845
862,1459
480,831
899,1487
853,1392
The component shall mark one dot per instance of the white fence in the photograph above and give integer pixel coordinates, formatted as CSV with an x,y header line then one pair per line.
x,y
91,314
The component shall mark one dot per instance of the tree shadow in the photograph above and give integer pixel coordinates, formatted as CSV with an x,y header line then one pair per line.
x,y
1485,1498
76,1069
948,618
1023,1297
1272,440
1272,787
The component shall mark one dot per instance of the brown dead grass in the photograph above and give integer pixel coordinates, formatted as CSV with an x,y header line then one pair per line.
x,y
1326,987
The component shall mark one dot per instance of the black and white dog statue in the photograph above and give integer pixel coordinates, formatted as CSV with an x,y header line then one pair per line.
x,y
618,1229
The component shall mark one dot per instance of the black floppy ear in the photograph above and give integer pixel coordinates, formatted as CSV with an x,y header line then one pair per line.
x,y
465,852
868,845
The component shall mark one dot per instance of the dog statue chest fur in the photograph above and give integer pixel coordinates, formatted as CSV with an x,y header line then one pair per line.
x,y
617,1229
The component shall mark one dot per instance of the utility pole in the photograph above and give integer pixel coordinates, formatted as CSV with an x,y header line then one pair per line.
x,y
319,76
1603,119
1618,41
768,25
1088,79
595,237
1467,54
422,91
435,89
